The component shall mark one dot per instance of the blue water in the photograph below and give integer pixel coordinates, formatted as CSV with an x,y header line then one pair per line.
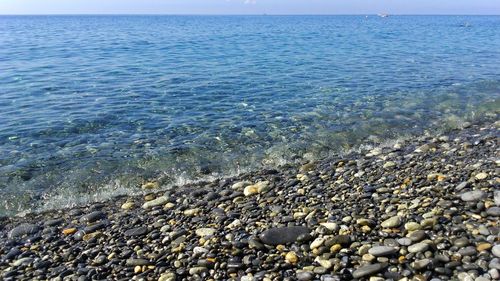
x,y
92,106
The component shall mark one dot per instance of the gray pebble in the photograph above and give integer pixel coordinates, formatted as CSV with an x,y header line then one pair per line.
x,y
24,229
381,251
92,217
493,211
417,248
138,231
496,250
367,270
468,251
304,276
474,195
420,264
135,262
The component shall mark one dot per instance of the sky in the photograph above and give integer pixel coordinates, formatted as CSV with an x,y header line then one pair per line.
x,y
486,7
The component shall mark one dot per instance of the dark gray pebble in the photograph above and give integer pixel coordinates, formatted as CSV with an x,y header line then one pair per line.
x,y
468,251
94,227
493,211
138,231
13,253
381,251
283,235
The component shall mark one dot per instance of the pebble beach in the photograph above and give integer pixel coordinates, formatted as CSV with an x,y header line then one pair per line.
x,y
422,209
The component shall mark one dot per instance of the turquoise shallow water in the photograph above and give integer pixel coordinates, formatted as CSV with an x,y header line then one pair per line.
x,y
92,106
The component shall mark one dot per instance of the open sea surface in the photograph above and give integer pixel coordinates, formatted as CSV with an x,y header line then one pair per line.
x,y
93,106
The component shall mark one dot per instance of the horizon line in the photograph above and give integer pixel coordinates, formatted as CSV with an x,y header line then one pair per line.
x,y
249,14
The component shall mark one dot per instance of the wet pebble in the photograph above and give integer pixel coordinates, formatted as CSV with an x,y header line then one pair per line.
x,y
471,196
24,229
92,217
367,270
418,247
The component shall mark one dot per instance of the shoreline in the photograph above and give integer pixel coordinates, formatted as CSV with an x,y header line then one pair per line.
x,y
158,183
421,209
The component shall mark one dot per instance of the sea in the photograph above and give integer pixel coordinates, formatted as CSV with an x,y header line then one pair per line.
x,y
95,106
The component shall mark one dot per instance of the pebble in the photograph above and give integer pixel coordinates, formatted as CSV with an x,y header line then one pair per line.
x,y
250,190
420,264
92,217
138,231
412,226
496,250
367,270
417,236
468,251
494,273
137,262
382,251
481,176
241,184
128,205
317,243
197,270
13,253
462,185
418,247
461,242
167,276
54,222
428,223
150,185
162,200
22,261
191,212
24,229
472,196
330,226
389,165
325,264
69,231
483,247
343,240
392,222
260,187
304,276
283,235
203,232
404,241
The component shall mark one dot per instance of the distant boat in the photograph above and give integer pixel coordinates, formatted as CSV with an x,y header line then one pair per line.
x,y
383,15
